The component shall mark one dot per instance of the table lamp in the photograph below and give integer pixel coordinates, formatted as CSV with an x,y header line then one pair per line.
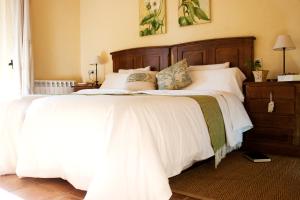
x,y
102,59
284,43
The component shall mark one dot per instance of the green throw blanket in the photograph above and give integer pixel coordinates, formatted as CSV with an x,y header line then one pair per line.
x,y
215,124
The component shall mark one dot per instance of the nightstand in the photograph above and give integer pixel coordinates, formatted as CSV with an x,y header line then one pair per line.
x,y
277,131
83,87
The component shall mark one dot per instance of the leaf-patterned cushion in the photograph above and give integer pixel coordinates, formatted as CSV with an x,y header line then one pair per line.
x,y
174,77
141,76
141,81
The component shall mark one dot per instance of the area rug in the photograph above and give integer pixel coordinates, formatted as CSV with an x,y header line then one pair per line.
x,y
238,178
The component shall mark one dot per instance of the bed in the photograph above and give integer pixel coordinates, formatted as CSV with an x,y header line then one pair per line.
x,y
124,146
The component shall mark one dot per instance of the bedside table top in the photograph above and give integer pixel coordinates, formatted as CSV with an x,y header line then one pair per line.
x,y
271,83
87,86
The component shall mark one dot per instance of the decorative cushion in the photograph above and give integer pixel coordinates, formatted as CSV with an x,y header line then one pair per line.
x,y
174,77
141,81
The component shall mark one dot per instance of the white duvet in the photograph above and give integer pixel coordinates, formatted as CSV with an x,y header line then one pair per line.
x,y
115,147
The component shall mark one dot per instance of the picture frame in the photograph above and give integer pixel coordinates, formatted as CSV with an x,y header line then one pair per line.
x,y
192,12
152,20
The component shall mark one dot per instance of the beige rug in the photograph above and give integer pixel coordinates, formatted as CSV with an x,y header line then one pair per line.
x,y
238,178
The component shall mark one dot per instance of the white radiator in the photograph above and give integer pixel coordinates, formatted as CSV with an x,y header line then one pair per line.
x,y
53,86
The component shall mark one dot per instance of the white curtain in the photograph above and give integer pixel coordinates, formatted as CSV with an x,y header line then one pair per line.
x,y
15,40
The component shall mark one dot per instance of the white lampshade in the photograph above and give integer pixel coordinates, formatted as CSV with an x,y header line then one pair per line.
x,y
284,41
103,58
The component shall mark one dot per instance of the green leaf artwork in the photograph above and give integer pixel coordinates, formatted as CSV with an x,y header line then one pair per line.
x,y
152,17
192,12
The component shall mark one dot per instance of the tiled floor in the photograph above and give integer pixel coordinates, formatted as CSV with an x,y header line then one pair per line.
x,y
47,189
40,189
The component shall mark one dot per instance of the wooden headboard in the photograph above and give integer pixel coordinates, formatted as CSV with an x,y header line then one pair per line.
x,y
236,50
156,57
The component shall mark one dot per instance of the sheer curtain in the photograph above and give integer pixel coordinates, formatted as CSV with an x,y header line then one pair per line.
x,y
15,79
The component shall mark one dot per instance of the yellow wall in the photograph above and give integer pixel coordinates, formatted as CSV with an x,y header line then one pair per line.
x,y
69,34
113,25
55,28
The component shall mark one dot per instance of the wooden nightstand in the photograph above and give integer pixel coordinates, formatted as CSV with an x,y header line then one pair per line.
x,y
87,86
278,131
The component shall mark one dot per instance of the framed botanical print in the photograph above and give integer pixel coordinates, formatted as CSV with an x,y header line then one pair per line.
x,y
152,17
192,12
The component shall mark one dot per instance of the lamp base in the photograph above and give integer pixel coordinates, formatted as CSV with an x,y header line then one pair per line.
x,y
97,83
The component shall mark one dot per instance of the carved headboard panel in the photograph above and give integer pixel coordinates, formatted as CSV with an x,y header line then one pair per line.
x,y
237,51
156,57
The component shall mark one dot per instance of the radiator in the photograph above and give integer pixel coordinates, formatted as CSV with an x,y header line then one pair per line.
x,y
53,87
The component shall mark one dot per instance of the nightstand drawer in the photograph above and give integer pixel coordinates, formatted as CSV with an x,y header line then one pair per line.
x,y
273,121
278,92
261,106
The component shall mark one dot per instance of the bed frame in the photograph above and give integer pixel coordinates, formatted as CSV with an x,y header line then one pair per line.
x,y
237,51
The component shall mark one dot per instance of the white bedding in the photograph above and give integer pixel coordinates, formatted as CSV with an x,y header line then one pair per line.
x,y
115,147
12,114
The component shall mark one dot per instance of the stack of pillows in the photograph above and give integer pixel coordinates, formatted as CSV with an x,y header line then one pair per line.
x,y
179,76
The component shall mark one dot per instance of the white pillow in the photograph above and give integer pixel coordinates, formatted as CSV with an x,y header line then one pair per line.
x,y
115,81
126,71
228,80
209,67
